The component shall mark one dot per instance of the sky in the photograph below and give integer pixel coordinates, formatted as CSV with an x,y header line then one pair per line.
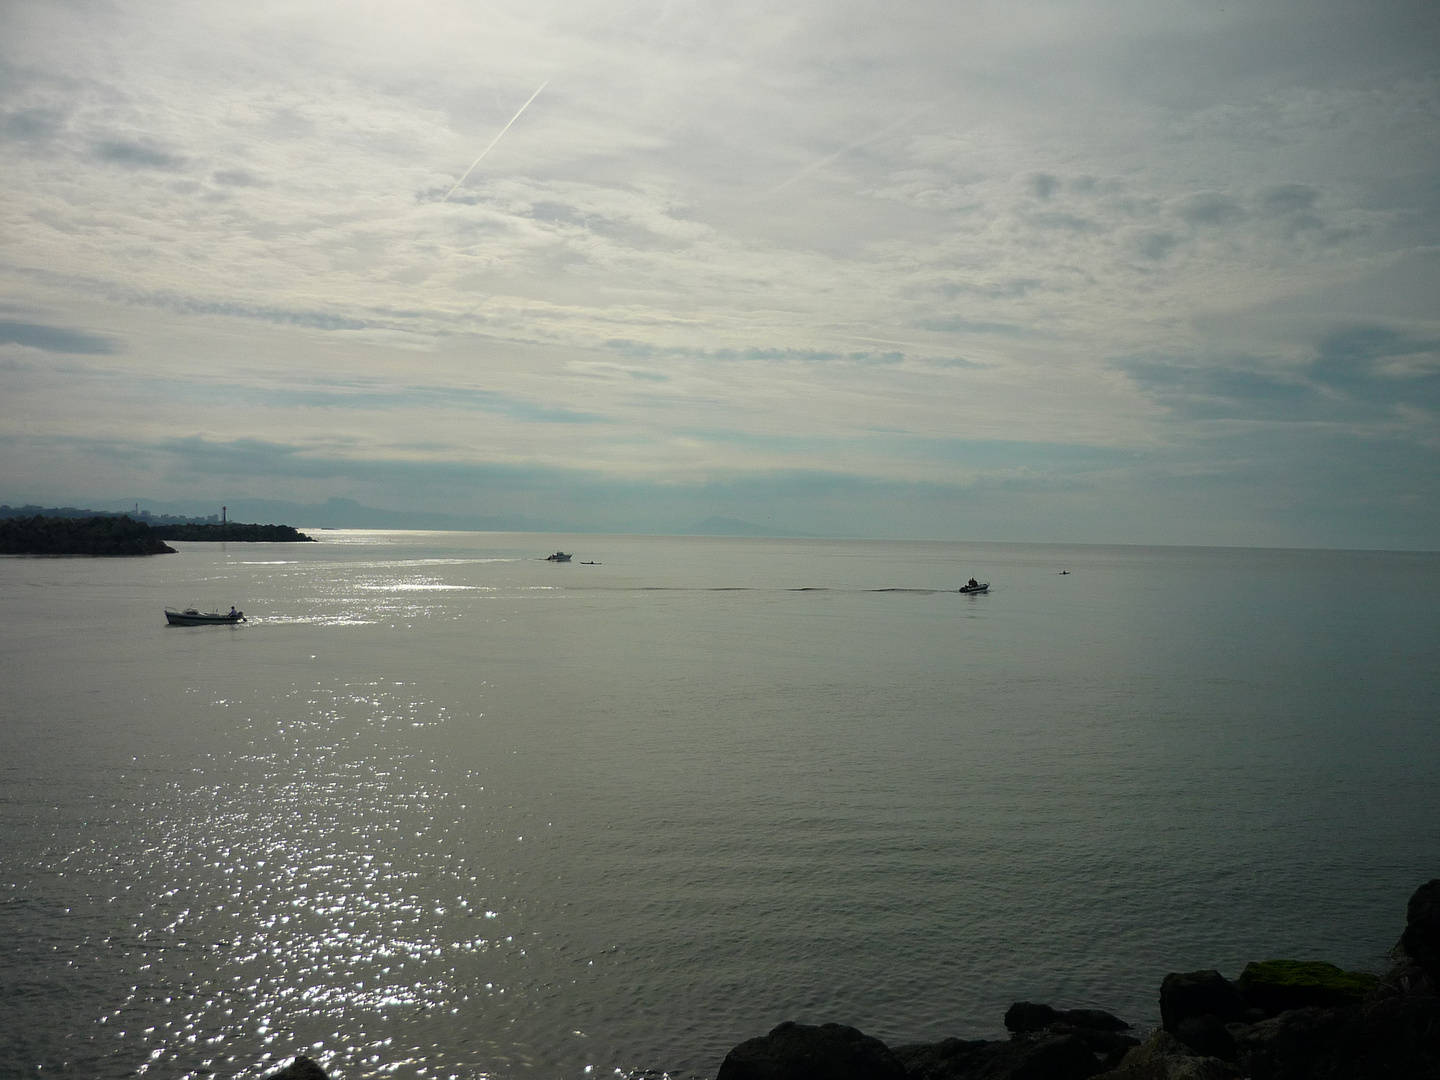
x,y
1115,271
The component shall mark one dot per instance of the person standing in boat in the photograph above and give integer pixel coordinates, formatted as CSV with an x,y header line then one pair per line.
x,y
971,583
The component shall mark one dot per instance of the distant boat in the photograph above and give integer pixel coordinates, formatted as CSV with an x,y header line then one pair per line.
x,y
559,556
981,587
191,617
584,563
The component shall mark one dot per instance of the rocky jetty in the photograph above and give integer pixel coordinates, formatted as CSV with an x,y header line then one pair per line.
x,y
235,532
41,535
1279,1020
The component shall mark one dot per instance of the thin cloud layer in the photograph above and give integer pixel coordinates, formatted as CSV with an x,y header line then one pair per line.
x,y
859,246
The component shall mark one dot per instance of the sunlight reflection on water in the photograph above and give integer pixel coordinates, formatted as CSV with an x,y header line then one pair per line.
x,y
317,880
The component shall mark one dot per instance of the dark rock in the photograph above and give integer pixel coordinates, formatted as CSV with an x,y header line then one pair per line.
x,y
1031,1056
1028,1016
1164,1057
1273,986
1402,980
1094,1019
1207,1036
1200,993
1393,1039
1102,1042
947,1058
302,1068
1421,939
805,1052
1287,1045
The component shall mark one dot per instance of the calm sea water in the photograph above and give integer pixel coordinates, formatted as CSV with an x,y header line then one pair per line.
x,y
443,809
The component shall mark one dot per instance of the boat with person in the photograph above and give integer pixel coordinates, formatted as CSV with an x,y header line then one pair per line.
x,y
975,587
559,556
192,617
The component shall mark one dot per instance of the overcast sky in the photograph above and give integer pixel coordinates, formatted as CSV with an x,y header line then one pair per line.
x,y
1102,270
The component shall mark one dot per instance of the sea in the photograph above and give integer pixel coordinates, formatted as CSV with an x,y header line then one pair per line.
x,y
440,808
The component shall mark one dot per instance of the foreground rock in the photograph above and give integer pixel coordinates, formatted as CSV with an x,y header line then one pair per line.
x,y
1165,1057
1027,1016
804,1052
1024,1056
302,1068
1421,940
1276,986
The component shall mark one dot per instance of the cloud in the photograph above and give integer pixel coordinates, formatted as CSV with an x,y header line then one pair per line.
x,y
1044,185
1211,208
249,200
56,339
1378,365
1156,245
1354,374
137,155
642,350
1288,198
236,178
36,124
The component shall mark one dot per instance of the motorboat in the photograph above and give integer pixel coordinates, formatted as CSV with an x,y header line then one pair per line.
x,y
983,586
559,556
191,617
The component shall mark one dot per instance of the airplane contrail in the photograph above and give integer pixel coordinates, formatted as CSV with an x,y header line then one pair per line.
x,y
493,142
853,146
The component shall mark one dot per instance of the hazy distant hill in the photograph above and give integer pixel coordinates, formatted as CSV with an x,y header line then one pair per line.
x,y
724,526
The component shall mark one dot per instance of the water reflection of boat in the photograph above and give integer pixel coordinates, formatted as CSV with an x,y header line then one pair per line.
x,y
191,617
559,556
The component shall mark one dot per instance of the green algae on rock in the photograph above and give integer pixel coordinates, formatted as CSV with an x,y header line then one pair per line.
x,y
1278,985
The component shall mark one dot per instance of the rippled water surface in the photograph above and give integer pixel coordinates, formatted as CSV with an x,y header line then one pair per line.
x,y
443,809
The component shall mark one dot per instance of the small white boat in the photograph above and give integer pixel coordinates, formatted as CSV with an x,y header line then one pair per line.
x,y
983,586
191,617
559,556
